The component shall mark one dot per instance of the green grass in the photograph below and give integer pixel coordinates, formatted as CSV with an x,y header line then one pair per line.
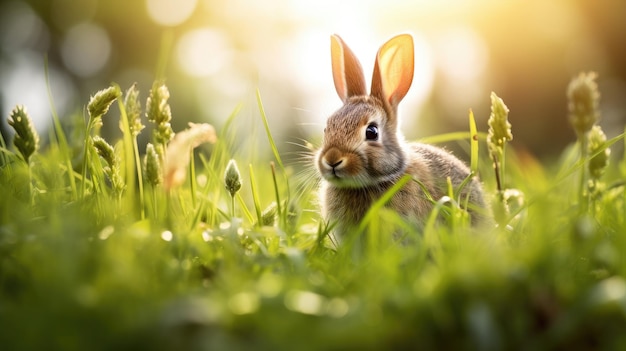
x,y
95,269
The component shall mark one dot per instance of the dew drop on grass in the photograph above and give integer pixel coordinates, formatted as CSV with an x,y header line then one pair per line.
x,y
167,235
269,285
611,290
202,180
206,235
106,232
305,302
337,308
244,303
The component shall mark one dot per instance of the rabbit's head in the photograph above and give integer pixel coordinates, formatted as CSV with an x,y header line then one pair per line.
x,y
361,145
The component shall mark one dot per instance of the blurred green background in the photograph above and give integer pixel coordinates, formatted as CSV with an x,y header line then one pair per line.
x,y
219,52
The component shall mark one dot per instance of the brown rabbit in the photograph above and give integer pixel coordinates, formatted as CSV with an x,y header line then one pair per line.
x,y
363,155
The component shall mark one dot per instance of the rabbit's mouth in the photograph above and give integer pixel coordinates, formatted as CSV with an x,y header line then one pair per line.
x,y
345,182
341,179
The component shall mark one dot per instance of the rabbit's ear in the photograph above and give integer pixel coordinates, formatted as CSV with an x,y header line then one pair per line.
x,y
347,71
393,71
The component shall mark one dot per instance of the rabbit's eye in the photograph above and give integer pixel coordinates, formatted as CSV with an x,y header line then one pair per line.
x,y
371,132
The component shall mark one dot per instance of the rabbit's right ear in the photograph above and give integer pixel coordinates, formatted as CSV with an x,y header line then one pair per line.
x,y
347,72
393,70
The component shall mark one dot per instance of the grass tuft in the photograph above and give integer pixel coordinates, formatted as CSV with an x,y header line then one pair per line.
x,y
193,266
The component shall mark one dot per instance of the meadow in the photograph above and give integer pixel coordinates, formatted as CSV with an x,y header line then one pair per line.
x,y
190,244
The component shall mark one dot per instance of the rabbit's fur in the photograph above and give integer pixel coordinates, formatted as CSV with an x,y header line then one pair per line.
x,y
363,154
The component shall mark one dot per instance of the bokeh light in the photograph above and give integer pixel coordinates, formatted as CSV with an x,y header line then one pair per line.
x,y
21,28
203,52
86,49
170,12
461,54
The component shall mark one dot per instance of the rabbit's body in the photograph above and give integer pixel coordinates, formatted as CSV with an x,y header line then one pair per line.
x,y
363,155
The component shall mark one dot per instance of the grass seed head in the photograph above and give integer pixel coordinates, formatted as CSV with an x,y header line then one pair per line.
x,y
26,139
232,178
100,102
104,150
268,216
133,110
499,126
583,98
113,169
599,162
158,111
152,166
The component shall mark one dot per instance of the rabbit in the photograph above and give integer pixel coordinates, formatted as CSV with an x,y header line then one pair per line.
x,y
363,154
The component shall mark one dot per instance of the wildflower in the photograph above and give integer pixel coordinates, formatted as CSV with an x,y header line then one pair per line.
x,y
599,161
26,139
179,152
99,103
133,110
152,166
232,178
583,97
499,126
158,111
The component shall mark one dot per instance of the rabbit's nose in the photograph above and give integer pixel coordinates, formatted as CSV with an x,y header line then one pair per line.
x,y
332,159
333,165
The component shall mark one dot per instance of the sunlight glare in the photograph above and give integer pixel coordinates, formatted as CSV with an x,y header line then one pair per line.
x,y
461,54
203,52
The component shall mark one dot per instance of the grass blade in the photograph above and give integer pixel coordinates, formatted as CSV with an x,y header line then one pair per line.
x,y
448,137
382,201
3,146
130,158
268,132
473,143
255,196
60,134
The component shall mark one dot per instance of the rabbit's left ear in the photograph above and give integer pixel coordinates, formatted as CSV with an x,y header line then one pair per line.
x,y
393,71
347,72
